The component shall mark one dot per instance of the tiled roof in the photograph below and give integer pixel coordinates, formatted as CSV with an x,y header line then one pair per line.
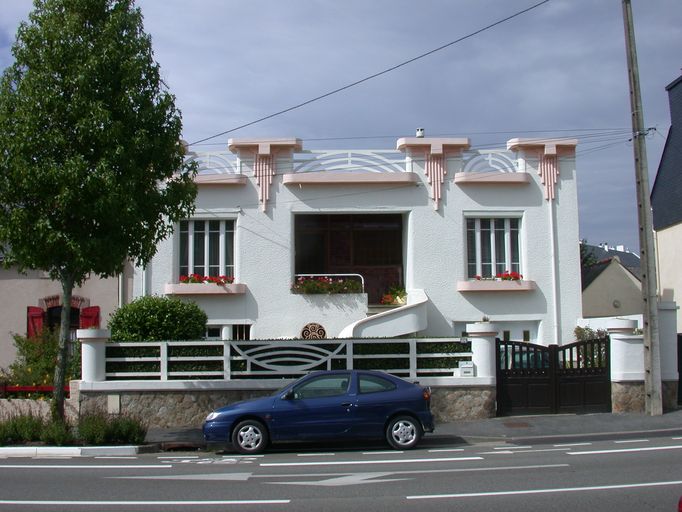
x,y
666,195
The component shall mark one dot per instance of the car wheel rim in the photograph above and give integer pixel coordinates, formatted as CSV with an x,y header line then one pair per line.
x,y
403,432
250,437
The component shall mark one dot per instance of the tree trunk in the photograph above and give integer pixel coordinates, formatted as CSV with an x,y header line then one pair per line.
x,y
63,351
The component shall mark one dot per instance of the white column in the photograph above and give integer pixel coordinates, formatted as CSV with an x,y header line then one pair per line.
x,y
483,336
627,351
93,353
667,336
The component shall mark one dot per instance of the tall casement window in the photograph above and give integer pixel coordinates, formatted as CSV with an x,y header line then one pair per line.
x,y
207,247
492,246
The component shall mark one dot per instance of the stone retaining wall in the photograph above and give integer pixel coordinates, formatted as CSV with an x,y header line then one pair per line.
x,y
629,396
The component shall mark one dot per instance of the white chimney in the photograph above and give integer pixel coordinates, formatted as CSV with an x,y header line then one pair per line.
x,y
420,133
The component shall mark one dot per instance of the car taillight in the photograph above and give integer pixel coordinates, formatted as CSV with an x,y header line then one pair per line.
x,y
426,393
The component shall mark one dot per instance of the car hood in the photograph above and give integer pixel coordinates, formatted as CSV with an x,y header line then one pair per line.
x,y
256,404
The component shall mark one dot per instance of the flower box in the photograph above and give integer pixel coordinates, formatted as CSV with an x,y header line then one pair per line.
x,y
493,285
204,289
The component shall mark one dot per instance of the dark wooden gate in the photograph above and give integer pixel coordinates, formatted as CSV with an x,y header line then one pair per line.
x,y
536,379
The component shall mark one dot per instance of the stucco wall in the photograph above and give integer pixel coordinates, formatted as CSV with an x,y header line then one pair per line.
x,y
434,245
615,292
668,250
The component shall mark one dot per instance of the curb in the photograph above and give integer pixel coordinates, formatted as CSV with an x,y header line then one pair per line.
x,y
71,451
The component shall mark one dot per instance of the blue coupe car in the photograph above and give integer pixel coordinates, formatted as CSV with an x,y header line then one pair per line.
x,y
343,404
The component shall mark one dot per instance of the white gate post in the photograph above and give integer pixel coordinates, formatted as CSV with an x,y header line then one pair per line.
x,y
93,353
483,336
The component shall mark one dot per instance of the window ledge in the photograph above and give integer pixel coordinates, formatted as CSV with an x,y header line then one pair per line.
x,y
220,179
485,285
204,289
492,178
349,178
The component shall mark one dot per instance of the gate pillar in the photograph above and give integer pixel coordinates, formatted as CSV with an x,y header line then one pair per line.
x,y
483,335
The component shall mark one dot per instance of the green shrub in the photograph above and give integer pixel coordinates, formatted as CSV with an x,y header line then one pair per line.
x,y
158,319
57,433
99,428
20,429
36,359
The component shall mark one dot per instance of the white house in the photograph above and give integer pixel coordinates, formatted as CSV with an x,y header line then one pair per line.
x,y
432,216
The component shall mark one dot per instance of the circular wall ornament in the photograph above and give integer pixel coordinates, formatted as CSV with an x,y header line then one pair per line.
x,y
313,331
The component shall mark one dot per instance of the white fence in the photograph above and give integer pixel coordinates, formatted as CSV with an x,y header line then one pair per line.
x,y
276,359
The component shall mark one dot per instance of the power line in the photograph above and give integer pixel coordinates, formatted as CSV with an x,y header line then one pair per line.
x,y
375,75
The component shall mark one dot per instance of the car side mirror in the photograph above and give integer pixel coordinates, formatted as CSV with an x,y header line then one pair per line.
x,y
289,395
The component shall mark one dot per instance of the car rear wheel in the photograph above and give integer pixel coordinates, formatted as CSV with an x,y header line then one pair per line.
x,y
250,436
403,432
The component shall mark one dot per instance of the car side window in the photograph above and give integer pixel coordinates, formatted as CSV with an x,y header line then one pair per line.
x,y
373,384
323,386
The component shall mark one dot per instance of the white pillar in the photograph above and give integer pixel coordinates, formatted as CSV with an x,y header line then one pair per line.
x,y
627,351
93,353
667,336
483,336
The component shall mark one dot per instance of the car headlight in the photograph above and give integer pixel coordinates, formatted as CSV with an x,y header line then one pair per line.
x,y
212,416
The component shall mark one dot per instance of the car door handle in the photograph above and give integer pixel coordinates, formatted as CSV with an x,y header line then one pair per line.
x,y
346,404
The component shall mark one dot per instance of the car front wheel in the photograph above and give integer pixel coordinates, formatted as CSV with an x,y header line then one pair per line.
x,y
403,432
249,437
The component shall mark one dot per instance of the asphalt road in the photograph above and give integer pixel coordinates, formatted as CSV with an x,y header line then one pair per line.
x,y
627,475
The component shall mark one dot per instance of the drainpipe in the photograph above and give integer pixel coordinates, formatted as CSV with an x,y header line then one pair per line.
x,y
555,284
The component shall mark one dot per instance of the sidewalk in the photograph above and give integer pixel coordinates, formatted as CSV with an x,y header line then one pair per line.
x,y
515,429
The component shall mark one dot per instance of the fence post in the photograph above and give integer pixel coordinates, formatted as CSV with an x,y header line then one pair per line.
x,y
93,353
227,356
483,335
163,356
667,335
627,366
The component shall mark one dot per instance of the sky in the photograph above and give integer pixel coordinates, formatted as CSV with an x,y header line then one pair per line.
x,y
558,70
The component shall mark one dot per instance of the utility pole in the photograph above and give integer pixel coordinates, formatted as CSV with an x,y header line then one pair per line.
x,y
652,353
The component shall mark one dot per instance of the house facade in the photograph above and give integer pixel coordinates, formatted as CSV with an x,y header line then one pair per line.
x,y
666,203
466,233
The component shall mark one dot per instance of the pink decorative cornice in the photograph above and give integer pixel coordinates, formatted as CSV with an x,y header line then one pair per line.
x,y
264,152
435,150
548,151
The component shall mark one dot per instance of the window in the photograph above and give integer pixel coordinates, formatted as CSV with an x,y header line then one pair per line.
x,y
492,246
323,386
372,384
239,332
207,247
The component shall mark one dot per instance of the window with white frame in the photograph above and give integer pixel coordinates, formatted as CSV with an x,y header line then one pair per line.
x,y
239,332
207,247
492,246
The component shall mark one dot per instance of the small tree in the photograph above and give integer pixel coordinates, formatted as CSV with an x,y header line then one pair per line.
x,y
91,168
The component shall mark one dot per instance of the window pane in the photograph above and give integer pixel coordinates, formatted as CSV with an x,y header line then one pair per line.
x,y
500,259
199,237
514,236
229,248
486,249
214,248
471,248
329,385
184,248
372,384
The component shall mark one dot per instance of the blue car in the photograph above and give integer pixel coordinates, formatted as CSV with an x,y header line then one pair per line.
x,y
343,404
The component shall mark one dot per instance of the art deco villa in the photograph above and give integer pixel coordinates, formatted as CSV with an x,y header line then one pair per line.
x,y
466,234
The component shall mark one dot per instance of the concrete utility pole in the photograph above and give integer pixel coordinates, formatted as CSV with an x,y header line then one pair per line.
x,y
652,353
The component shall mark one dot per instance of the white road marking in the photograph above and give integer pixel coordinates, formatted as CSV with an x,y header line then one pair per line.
x,y
178,457
442,450
511,447
568,445
545,491
67,466
389,452
106,457
356,462
144,503
631,441
627,450
315,455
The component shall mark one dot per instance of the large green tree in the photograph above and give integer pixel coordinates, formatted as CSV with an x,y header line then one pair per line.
x,y
91,165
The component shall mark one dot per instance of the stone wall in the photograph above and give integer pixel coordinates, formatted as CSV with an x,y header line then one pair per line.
x,y
629,396
189,408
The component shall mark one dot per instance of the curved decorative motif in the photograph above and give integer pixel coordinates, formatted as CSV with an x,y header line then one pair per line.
x,y
286,357
345,161
217,162
486,161
313,331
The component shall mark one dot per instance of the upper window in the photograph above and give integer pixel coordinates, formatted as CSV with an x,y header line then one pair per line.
x,y
492,247
207,247
374,384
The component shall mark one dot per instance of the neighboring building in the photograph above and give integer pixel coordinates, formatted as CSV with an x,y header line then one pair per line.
x,y
610,290
32,301
432,216
627,258
666,202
